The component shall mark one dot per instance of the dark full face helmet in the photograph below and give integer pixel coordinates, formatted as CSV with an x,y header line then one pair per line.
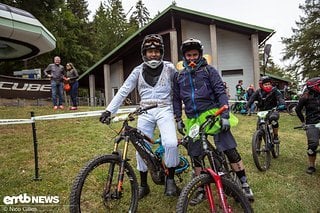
x,y
192,44
314,84
153,41
263,80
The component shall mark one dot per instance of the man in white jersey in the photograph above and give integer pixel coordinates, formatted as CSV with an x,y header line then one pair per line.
x,y
153,79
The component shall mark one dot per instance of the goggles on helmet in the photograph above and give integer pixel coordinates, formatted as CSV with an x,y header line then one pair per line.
x,y
152,41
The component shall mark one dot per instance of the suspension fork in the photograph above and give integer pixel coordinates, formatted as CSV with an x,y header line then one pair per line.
x,y
122,166
121,170
222,198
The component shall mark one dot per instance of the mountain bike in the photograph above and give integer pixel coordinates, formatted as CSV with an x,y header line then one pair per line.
x,y
237,106
221,192
108,182
262,142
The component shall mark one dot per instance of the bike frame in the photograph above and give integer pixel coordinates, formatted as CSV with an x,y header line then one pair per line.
x,y
213,171
219,186
263,123
133,135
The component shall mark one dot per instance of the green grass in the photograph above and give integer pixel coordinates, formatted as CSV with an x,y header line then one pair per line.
x,y
66,145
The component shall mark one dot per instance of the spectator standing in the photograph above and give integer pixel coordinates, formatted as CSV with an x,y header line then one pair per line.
x,y
56,73
249,92
72,79
240,91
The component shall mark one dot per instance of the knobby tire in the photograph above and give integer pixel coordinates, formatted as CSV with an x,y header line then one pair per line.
x,y
88,188
235,197
260,152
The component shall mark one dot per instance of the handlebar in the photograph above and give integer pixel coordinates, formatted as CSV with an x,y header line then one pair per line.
x,y
210,119
129,117
307,125
221,110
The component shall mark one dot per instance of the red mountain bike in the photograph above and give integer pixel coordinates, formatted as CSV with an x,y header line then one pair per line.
x,y
221,192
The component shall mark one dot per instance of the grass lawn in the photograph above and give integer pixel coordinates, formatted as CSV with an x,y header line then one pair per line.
x,y
66,145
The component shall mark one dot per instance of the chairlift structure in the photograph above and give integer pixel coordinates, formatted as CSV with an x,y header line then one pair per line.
x,y
22,36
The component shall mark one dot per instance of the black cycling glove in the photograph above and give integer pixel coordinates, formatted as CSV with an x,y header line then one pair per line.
x,y
105,117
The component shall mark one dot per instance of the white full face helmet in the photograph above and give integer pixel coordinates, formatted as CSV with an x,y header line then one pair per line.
x,y
153,41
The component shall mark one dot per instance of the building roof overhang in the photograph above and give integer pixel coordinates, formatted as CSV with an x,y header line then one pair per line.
x,y
164,22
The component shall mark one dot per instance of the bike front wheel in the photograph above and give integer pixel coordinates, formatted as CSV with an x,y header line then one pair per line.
x,y
235,199
276,150
260,151
96,187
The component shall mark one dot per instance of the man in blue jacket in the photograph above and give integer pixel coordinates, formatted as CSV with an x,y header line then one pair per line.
x,y
200,88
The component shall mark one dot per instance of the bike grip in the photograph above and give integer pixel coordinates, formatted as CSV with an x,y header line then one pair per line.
x,y
298,127
221,110
119,118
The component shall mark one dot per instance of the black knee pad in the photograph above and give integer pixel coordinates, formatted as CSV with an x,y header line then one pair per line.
x,y
232,155
312,150
273,118
275,124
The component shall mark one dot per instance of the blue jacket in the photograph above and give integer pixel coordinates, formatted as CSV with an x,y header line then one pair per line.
x,y
199,91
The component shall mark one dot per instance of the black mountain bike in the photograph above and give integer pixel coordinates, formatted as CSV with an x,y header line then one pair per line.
x,y
262,142
222,194
108,182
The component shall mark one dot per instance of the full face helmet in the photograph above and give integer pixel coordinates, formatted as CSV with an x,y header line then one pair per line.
x,y
192,44
153,41
263,80
314,84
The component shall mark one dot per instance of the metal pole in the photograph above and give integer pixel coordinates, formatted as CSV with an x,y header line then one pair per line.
x,y
35,149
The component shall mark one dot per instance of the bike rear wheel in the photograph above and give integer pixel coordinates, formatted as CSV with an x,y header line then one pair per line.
x,y
91,191
260,151
237,202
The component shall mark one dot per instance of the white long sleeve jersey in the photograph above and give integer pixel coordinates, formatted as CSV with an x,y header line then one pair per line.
x,y
161,93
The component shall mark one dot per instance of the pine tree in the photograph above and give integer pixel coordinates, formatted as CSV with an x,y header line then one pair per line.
x,y
141,15
303,47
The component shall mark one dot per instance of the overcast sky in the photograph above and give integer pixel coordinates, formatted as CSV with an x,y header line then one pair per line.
x,y
279,15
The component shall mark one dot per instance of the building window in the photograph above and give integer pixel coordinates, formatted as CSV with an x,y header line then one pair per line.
x,y
232,72
114,91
